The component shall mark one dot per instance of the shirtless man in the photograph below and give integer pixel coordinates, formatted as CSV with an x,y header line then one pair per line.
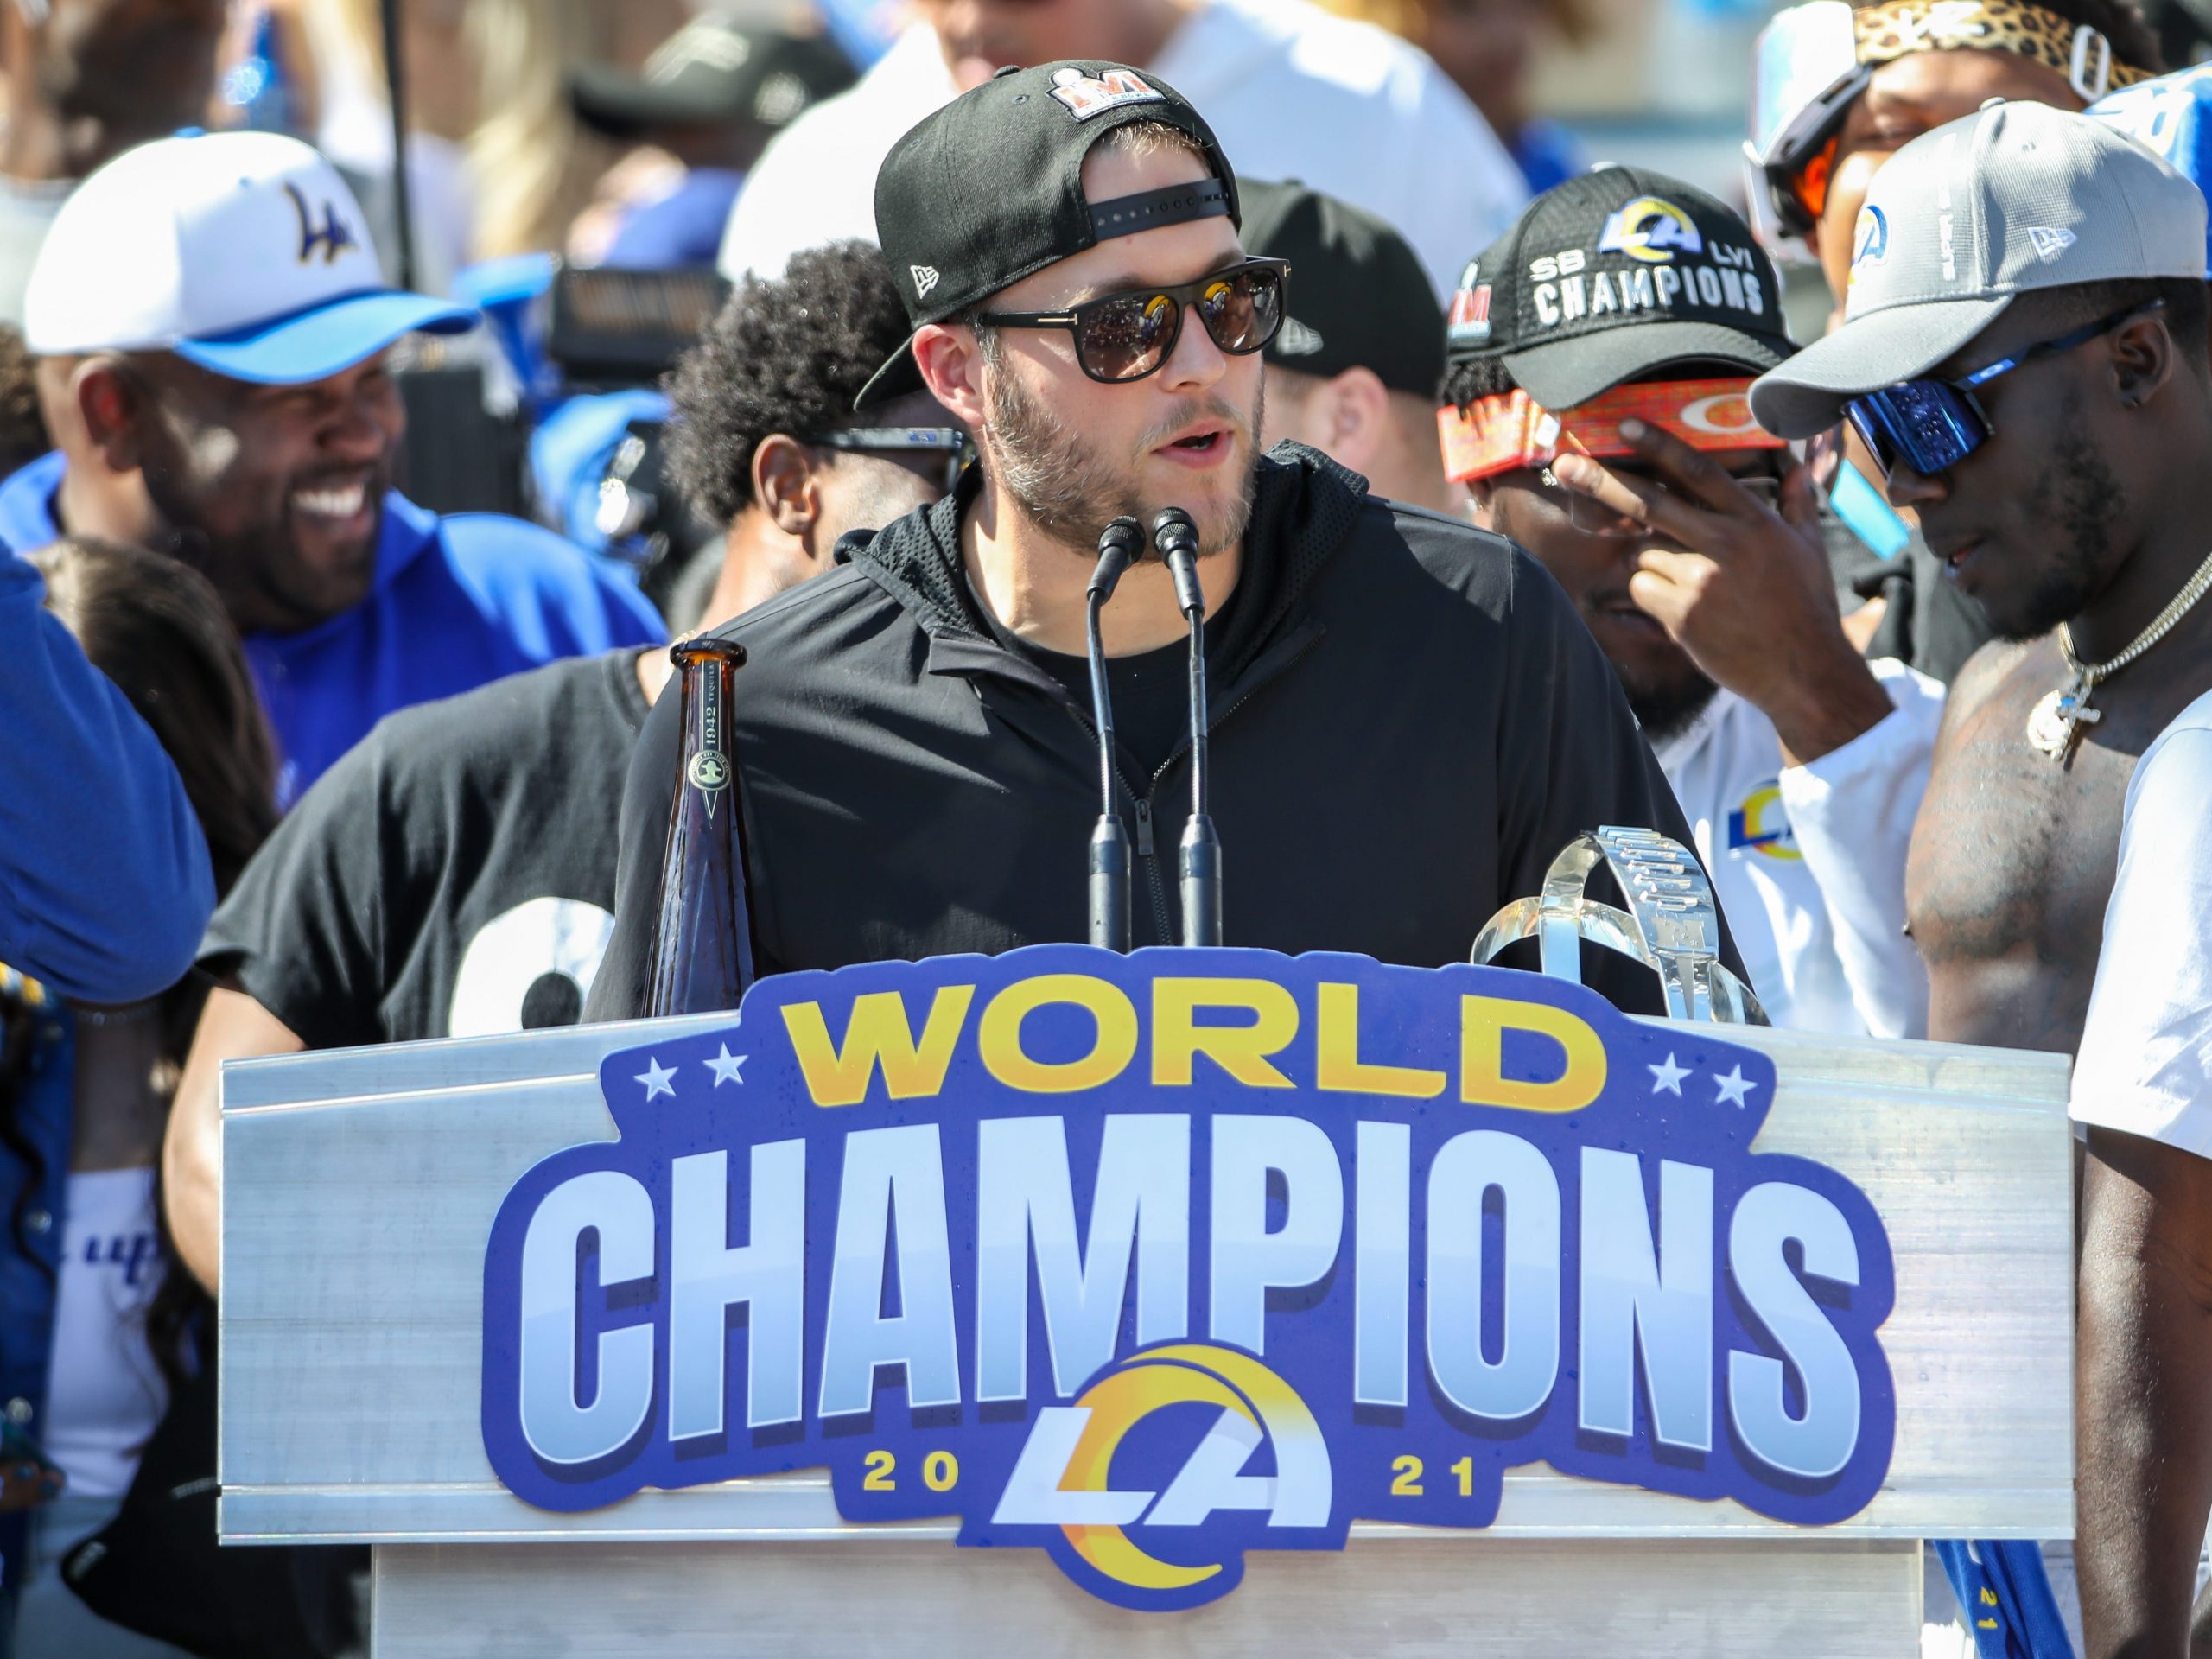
x,y
2062,267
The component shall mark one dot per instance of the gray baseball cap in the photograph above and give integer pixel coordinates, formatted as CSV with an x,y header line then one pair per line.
x,y
1964,219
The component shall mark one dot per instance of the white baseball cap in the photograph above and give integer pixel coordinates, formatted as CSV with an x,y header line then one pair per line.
x,y
243,252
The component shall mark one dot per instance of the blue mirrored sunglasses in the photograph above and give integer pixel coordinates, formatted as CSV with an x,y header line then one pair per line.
x,y
1931,425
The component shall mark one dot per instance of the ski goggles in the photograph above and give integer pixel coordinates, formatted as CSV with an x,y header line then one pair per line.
x,y
1930,425
1813,59
1126,336
1511,429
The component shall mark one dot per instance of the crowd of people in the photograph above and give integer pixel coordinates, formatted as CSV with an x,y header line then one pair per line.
x,y
1520,512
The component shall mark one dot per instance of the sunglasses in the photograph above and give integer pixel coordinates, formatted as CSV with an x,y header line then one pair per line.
x,y
1931,425
937,453
1127,336
1593,517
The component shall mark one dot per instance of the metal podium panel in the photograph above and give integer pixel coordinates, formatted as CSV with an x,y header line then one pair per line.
x,y
1436,1598
360,1187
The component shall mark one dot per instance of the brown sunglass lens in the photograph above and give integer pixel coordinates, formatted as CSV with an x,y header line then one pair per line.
x,y
1127,336
1242,312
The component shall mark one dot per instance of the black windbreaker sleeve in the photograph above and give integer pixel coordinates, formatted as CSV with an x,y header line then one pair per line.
x,y
617,991
1572,758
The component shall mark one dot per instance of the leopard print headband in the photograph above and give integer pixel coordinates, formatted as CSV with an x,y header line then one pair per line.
x,y
2076,51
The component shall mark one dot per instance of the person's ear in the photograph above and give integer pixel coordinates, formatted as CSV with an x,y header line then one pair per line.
x,y
1482,503
784,484
951,362
111,402
1355,410
2143,357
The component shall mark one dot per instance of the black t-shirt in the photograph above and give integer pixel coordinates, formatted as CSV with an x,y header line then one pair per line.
x,y
1151,691
453,875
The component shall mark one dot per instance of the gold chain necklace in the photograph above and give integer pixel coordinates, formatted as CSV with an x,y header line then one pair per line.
x,y
2055,724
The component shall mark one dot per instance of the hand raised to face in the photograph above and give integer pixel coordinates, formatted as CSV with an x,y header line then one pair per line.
x,y
1745,590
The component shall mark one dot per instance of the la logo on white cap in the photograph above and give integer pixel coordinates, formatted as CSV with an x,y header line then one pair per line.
x,y
185,239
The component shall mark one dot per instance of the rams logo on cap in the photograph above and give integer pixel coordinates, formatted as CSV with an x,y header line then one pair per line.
x,y
1870,240
1088,95
1651,229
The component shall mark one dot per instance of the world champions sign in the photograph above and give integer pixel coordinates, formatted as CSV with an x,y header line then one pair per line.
x,y
1148,1260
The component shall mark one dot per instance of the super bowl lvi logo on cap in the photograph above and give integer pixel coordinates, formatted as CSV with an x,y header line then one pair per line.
x,y
1086,95
1468,323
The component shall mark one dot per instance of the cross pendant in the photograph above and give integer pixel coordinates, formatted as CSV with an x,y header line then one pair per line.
x,y
2054,726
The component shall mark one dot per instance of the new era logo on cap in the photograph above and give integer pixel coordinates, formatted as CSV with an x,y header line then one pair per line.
x,y
924,279
2048,243
1294,338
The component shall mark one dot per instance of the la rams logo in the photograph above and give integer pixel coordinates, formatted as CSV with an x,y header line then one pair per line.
x,y
1651,229
1761,826
1063,1477
1870,240
334,236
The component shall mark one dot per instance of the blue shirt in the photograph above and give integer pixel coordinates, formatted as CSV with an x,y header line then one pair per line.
x,y
457,602
104,880
681,229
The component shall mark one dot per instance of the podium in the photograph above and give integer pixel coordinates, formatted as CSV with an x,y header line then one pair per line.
x,y
360,1188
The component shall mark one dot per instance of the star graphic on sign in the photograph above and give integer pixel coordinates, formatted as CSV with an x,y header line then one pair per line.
x,y
1734,1087
1669,1076
658,1078
724,1066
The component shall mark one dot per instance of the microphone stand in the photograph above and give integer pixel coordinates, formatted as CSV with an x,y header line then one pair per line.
x,y
1176,538
1118,544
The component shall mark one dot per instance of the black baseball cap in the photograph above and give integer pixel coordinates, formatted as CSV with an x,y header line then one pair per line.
x,y
989,188
1363,299
1611,277
714,71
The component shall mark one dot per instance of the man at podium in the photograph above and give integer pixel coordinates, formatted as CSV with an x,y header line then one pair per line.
x,y
1408,719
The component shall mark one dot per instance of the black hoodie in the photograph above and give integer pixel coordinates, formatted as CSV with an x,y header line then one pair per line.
x,y
1409,722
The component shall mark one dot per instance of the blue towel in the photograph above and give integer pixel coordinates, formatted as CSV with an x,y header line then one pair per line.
x,y
2007,1598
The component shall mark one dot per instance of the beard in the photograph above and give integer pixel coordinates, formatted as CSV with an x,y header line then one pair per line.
x,y
1669,710
1071,491
2077,496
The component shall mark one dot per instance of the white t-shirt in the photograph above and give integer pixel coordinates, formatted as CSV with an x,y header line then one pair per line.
x,y
2145,1065
1291,92
1809,861
104,1394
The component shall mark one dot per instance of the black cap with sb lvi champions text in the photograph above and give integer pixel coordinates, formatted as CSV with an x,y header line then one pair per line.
x,y
1622,248
989,188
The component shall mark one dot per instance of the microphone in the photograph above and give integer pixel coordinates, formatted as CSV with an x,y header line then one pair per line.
x,y
1177,538
1118,544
